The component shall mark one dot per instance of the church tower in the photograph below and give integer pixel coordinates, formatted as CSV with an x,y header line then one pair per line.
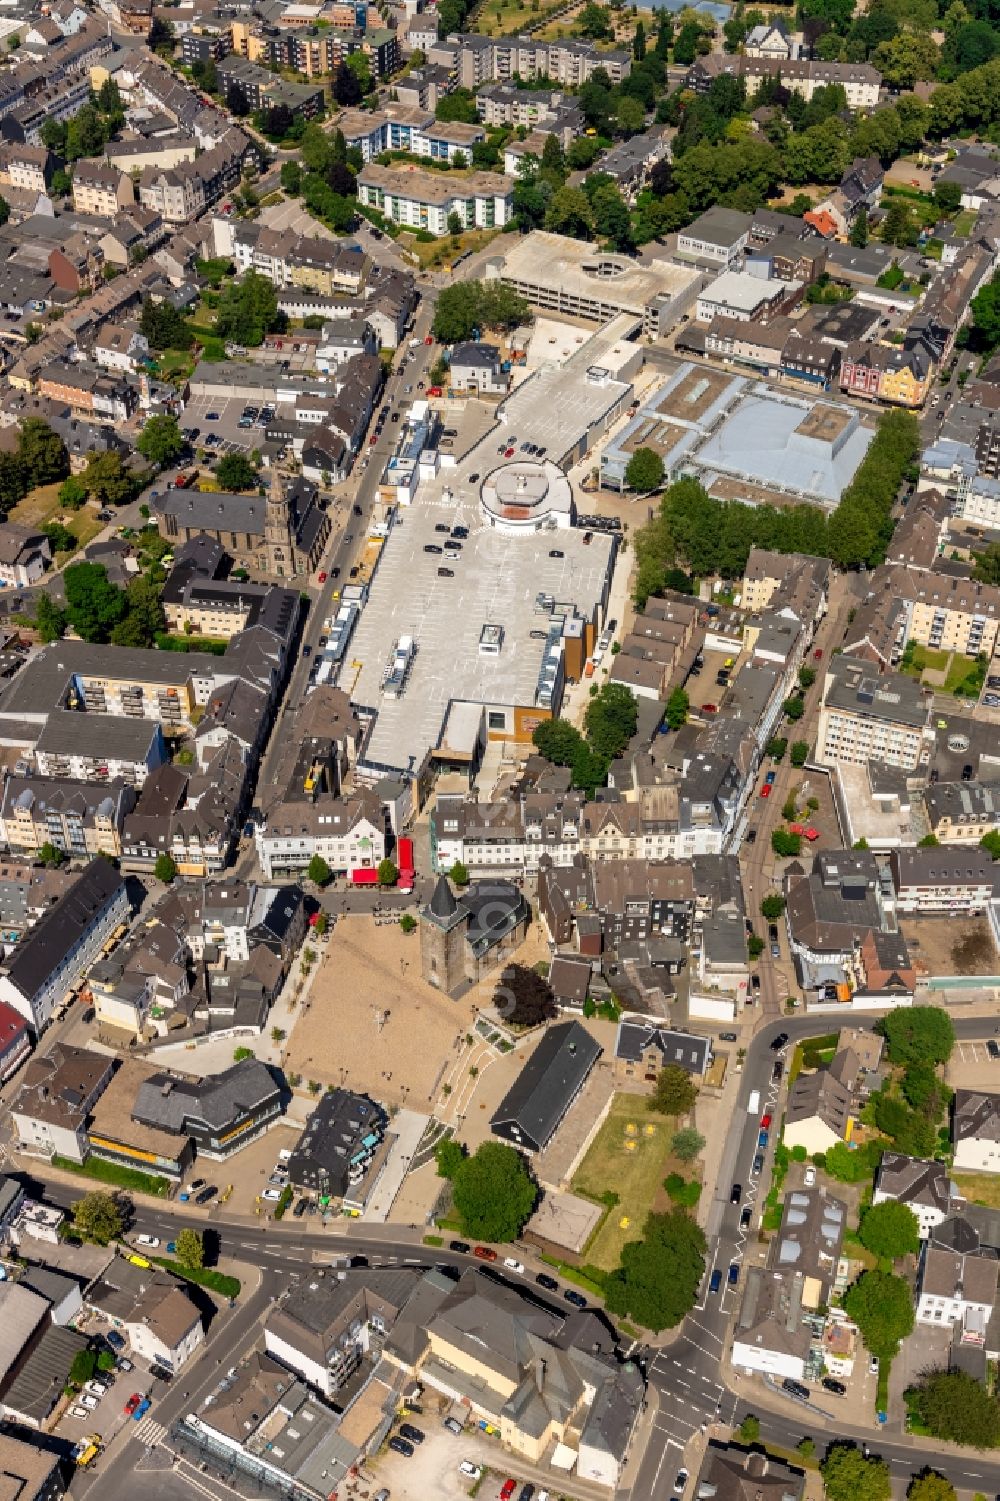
x,y
279,546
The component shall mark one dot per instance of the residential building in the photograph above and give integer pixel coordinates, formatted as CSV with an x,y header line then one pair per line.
x,y
975,1131
79,818
477,368
338,1144
328,1331
49,962
349,833
153,1308
943,880
962,812
15,1043
956,1289
25,554
860,81
643,1048
770,1334
924,1187
532,1109
899,377
58,1091
819,1112
101,189
728,1472
32,1472
567,63
424,200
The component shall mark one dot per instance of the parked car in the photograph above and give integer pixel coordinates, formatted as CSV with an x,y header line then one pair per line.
x,y
485,1253
152,1241
132,1403
513,1265
507,1489
777,1071
746,1217
415,1435
734,1273
117,1341
716,1281
680,1482
461,1246
762,1139
469,1470
89,1401
549,1283
401,1446
453,1425
809,1177
993,1048
837,1387
873,1365
757,1166
272,1195
779,1043
736,1193
795,1389
577,1299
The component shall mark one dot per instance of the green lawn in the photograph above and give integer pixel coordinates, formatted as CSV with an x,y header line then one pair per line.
x,y
979,1188
964,222
115,1175
41,505
960,670
630,1163
923,657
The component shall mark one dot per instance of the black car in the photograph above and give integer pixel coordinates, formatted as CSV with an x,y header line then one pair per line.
x,y
837,1387
993,1048
442,526
401,1446
779,1042
526,1492
736,1193
461,1246
335,573
299,1209
555,553
159,1373
357,510
206,1194
746,1217
549,1283
777,1071
415,1435
473,478
431,547
446,573
795,1389
460,531
577,1300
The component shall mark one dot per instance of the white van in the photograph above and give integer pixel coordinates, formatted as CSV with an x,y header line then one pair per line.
x,y
469,1469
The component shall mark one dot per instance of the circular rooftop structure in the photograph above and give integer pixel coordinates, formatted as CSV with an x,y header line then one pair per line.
x,y
526,497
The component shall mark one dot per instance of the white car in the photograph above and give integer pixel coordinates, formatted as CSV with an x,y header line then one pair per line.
x,y
96,1388
810,1177
513,1265
79,1412
89,1402
468,1468
271,1194
152,1241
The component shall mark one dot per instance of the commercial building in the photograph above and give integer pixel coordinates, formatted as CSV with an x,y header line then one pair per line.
x,y
718,237
328,1329
49,962
57,1095
943,880
745,297
867,716
336,1149
155,1114
568,276
419,199
532,1109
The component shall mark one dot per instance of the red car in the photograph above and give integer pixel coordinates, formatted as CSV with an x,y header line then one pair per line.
x,y
765,1121
322,578
434,391
709,709
818,654
765,791
507,1489
429,339
508,453
373,440
812,834
132,1403
485,1253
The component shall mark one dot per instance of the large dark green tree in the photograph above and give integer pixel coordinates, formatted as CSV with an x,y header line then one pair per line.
x,y
658,1280
248,309
918,1034
958,1408
494,1192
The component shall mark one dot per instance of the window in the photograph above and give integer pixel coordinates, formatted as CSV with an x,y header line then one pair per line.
x,y
497,719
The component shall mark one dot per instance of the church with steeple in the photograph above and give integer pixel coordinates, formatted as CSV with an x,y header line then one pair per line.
x,y
463,938
282,535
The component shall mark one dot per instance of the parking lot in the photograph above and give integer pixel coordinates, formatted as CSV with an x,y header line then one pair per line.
x,y
107,1415
433,1468
246,1177
224,426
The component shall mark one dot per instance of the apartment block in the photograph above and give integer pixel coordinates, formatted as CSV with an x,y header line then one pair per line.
x,y
866,716
425,200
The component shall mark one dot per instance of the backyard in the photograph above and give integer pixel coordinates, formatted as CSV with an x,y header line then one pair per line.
x,y
42,505
979,1188
629,1158
950,671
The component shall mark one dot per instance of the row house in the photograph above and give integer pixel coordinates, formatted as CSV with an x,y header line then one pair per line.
x,y
180,193
348,833
101,189
80,818
880,372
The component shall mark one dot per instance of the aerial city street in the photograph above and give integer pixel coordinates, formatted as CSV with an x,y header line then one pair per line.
x,y
499,750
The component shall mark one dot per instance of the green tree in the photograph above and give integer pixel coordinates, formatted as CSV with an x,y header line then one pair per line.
x,y
94,606
794,708
50,855
191,1249
785,844
61,539
678,705
919,1034
72,493
241,1054
558,741
449,1156
899,226
291,178
408,922
235,472
161,441
890,1230
455,224
388,874
165,869
991,844
776,748
318,871
749,1430
494,1193
658,1280
687,1143
948,198
50,621
674,1092
859,230
958,1408
569,213
849,1476
929,1485
248,309
98,1217
459,874
594,21
644,471
463,307
881,1305
799,752
772,906
42,452
610,721
107,479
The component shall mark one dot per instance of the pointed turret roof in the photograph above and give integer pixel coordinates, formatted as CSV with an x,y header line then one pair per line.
x,y
442,904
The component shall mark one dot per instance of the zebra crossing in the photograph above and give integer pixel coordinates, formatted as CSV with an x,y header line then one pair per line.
x,y
150,1432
